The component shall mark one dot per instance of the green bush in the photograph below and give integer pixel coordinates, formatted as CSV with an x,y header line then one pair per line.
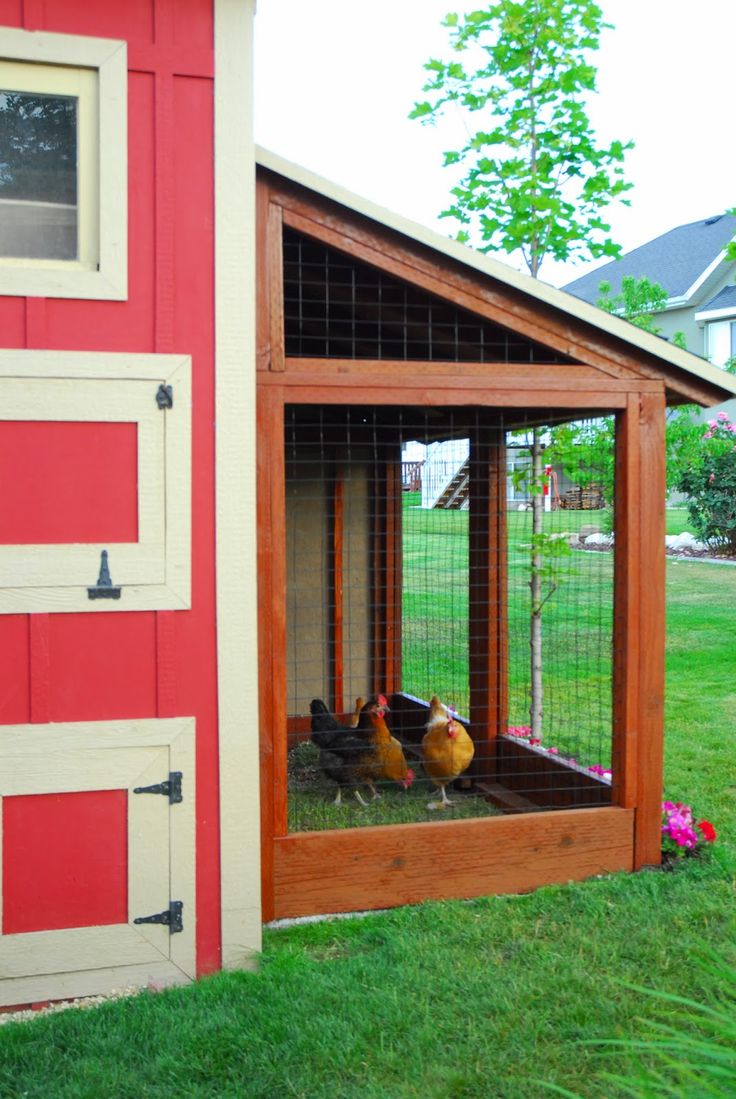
x,y
710,484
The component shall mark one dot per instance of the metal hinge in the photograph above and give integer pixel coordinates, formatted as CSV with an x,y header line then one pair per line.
x,y
170,788
165,396
171,917
104,588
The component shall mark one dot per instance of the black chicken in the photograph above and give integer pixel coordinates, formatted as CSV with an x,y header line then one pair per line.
x,y
347,755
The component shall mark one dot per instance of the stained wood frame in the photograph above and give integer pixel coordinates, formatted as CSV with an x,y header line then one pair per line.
x,y
377,866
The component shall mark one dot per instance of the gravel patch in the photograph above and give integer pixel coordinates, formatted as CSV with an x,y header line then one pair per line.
x,y
82,1003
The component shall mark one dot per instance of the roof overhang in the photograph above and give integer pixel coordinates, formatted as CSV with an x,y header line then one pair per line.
x,y
714,384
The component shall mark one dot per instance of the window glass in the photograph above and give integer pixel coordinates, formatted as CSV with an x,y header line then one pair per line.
x,y
720,342
63,166
38,175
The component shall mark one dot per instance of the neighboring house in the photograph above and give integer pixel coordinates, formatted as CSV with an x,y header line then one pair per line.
x,y
689,262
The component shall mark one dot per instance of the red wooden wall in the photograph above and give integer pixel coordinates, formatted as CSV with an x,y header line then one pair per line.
x,y
83,667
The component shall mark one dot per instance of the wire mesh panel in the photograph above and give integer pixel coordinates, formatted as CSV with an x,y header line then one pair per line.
x,y
560,612
414,603
337,307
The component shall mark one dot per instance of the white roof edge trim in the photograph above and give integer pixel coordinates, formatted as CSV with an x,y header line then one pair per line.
x,y
712,267
675,303
716,314
486,265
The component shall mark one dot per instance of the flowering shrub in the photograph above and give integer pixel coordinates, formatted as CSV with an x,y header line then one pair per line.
x,y
710,483
681,834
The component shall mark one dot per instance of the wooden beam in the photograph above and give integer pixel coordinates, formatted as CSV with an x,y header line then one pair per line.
x,y
403,388
335,588
271,515
378,867
652,565
504,375
387,543
487,601
626,640
639,620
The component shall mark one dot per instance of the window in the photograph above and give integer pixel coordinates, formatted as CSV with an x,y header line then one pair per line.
x,y
721,342
63,166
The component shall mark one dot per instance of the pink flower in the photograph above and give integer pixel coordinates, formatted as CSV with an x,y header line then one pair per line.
x,y
534,740
553,751
712,423
708,435
711,479
722,415
519,730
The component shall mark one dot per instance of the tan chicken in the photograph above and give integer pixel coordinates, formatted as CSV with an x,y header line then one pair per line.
x,y
446,749
393,765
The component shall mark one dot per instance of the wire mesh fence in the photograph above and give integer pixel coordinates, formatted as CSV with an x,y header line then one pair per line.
x,y
410,616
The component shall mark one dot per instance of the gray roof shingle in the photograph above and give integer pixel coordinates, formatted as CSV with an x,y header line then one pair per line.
x,y
675,260
724,299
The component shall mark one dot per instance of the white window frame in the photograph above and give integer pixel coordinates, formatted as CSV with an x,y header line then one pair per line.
x,y
101,271
153,573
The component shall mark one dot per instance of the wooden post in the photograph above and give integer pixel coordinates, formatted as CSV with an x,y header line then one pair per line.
x,y
271,519
639,620
487,597
335,585
387,572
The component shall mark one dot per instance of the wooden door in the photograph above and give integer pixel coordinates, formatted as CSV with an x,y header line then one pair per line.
x,y
97,857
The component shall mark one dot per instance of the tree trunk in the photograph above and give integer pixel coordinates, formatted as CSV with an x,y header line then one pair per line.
x,y
535,583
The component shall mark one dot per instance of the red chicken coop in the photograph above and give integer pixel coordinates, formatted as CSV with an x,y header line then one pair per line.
x,y
377,342
267,456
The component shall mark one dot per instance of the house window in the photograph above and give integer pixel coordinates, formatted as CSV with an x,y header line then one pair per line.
x,y
63,166
721,339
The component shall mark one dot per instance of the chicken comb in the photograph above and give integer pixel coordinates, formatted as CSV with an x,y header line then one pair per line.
x,y
382,700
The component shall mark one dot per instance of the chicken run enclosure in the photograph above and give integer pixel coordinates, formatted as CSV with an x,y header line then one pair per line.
x,y
384,594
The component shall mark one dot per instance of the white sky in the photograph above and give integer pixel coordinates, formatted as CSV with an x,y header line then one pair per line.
x,y
336,79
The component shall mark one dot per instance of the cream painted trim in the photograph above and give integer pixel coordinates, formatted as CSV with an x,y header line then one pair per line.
x,y
100,755
235,485
635,337
67,279
155,571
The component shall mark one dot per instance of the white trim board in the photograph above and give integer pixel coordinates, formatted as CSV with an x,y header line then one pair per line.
x,y
235,484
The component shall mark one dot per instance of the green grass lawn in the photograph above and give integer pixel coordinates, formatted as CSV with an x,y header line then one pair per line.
x,y
471,1000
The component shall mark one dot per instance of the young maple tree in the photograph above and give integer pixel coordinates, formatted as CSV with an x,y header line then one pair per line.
x,y
536,181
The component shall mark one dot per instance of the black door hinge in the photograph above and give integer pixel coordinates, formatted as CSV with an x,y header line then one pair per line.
x,y
171,917
170,788
104,588
165,396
